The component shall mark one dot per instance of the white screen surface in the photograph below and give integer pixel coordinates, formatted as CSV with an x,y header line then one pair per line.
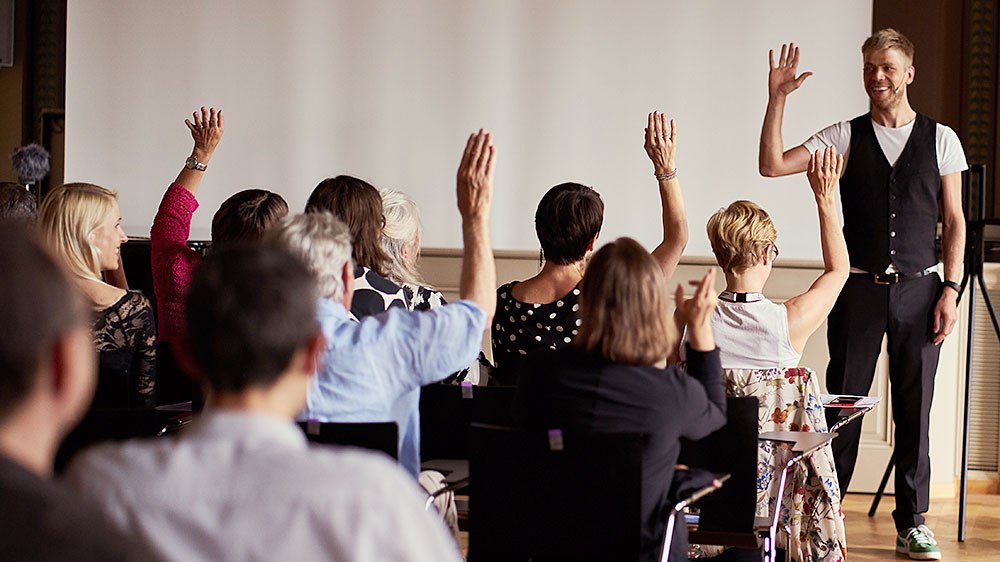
x,y
389,91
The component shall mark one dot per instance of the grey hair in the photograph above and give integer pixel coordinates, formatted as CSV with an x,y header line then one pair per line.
x,y
322,242
402,229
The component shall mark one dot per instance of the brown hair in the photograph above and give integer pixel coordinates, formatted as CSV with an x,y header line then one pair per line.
x,y
246,215
624,310
740,234
567,220
359,205
888,38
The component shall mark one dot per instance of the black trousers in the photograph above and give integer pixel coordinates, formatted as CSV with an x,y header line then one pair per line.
x,y
864,312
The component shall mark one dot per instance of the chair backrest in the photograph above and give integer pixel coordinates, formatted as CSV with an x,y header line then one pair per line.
x,y
733,450
376,436
539,496
446,411
110,424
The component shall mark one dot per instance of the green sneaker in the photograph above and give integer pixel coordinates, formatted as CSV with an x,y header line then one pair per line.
x,y
918,543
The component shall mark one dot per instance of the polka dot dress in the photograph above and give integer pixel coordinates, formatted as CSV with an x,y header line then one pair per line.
x,y
521,328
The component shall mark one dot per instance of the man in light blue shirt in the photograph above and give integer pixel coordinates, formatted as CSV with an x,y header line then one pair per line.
x,y
372,370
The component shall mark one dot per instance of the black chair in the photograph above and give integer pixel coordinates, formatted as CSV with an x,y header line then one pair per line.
x,y
111,424
728,517
375,436
556,495
447,411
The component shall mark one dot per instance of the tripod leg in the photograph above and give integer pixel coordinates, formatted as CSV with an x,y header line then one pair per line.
x,y
882,485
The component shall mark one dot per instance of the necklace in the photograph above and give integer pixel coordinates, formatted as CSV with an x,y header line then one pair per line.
x,y
730,296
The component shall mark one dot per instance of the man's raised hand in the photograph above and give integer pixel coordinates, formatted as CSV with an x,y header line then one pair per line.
x,y
781,80
475,176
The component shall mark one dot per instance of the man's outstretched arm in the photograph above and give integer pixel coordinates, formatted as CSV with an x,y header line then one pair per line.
x,y
773,159
475,194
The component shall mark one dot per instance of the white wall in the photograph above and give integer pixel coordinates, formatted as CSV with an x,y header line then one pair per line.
x,y
389,91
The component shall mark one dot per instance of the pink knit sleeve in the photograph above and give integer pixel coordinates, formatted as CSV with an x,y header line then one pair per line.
x,y
173,262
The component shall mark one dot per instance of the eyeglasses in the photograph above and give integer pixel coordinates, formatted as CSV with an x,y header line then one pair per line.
x,y
775,246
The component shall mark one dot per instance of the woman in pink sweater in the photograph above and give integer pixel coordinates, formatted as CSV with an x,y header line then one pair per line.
x,y
244,216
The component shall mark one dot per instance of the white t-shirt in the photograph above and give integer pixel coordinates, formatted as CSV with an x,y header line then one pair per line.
x,y
950,156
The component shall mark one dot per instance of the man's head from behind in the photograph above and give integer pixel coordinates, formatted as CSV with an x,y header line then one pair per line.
x,y
323,243
17,203
251,313
47,361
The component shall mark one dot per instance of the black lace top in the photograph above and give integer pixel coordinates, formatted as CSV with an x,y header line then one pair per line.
x,y
125,338
521,328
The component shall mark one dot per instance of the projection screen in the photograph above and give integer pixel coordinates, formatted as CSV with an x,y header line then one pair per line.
x,y
389,90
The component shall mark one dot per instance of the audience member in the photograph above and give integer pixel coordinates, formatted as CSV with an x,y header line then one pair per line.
x,y
243,483
372,370
358,204
401,242
753,332
46,383
17,203
761,342
541,312
82,224
243,216
613,377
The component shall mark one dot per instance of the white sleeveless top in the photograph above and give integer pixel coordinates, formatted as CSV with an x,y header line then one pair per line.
x,y
751,335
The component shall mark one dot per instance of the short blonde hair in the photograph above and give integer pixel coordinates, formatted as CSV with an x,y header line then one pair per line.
x,y
624,306
321,241
402,229
888,38
740,234
69,216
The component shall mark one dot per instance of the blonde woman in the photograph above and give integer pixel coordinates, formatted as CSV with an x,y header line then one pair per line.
x,y
82,224
752,331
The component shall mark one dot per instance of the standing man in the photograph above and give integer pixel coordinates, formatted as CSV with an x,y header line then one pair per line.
x,y
899,165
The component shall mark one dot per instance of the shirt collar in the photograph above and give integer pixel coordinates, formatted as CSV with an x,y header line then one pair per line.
x,y
332,308
244,426
730,296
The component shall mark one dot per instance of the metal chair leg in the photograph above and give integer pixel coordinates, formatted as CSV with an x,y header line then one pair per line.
x,y
882,485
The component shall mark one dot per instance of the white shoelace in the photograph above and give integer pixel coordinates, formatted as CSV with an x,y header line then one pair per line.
x,y
921,535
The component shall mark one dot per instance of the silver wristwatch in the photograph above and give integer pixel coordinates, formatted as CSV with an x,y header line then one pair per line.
x,y
194,164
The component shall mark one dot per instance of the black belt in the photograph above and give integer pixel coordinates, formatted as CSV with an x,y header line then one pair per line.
x,y
892,278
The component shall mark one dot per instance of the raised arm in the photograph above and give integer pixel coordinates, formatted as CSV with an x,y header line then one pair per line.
x,y
952,248
773,159
207,131
475,193
807,311
660,146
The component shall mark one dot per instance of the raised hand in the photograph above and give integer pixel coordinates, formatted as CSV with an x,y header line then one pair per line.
x,y
696,312
824,172
661,143
475,176
207,131
781,80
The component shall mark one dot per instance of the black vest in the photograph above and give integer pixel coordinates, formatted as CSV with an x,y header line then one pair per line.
x,y
891,212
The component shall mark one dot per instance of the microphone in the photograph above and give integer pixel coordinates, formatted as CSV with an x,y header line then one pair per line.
x,y
31,163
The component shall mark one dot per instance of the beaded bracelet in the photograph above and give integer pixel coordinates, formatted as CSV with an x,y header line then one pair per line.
x,y
667,176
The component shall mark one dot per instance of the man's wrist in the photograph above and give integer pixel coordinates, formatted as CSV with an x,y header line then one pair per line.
x,y
954,287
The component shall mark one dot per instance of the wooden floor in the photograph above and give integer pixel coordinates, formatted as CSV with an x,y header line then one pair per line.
x,y
874,538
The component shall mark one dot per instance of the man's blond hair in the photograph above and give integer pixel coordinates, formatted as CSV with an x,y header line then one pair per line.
x,y
888,38
740,234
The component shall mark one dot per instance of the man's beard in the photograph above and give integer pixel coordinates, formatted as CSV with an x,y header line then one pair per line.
x,y
894,98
